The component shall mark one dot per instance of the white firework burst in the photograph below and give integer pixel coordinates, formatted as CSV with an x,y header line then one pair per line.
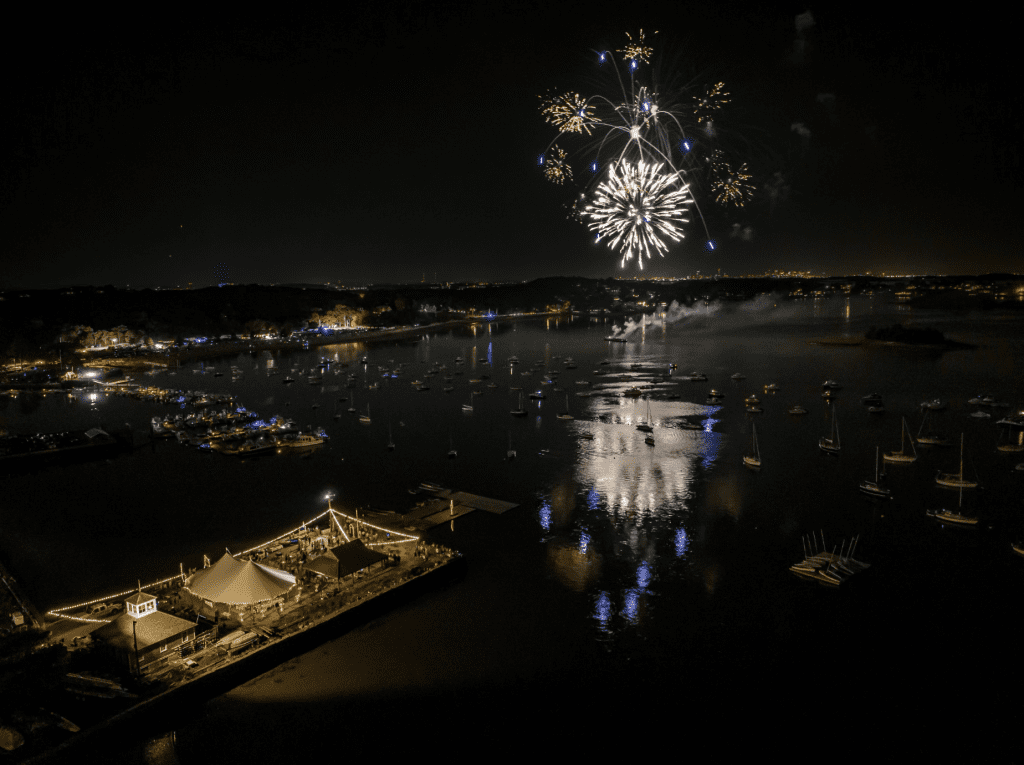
x,y
637,208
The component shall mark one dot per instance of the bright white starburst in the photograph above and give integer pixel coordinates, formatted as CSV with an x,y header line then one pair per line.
x,y
637,208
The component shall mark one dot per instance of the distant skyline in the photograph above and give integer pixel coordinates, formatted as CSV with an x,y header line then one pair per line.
x,y
385,144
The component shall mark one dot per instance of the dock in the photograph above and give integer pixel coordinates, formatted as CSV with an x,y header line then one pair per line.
x,y
446,505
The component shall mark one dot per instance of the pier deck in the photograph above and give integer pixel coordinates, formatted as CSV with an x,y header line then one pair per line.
x,y
448,505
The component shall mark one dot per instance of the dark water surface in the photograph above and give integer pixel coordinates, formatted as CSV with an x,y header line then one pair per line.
x,y
640,595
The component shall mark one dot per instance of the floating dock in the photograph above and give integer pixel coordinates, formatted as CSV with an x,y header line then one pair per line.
x,y
447,505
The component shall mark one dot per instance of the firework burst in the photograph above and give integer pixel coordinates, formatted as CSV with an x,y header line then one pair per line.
x,y
637,208
714,98
647,143
730,186
570,113
556,169
637,51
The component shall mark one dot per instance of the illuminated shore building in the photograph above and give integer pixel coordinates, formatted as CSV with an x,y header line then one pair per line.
x,y
238,587
143,638
345,560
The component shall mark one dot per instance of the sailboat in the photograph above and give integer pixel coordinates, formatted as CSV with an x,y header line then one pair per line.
x,y
753,460
365,417
646,426
565,415
519,411
511,453
451,448
874,488
956,480
468,406
391,441
956,518
352,408
831,442
901,455
930,439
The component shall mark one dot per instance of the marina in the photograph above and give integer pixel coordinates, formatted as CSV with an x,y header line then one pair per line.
x,y
614,544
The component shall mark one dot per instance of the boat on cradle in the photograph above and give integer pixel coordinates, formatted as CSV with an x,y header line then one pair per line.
x,y
753,460
830,443
956,480
901,455
565,415
955,517
797,409
874,488
828,568
646,426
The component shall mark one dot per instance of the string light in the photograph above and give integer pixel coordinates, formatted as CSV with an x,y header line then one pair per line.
x,y
59,612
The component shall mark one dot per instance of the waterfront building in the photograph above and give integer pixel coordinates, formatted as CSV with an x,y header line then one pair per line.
x,y
344,560
144,638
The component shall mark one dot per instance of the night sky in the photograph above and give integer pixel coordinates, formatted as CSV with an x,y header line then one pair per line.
x,y
399,141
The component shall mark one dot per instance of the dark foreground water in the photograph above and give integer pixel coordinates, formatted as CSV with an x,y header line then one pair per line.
x,y
639,599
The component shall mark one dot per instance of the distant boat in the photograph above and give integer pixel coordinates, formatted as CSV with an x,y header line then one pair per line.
x,y
519,411
451,449
611,339
633,392
930,439
649,440
901,455
646,426
391,442
797,409
830,443
753,460
468,406
738,376
956,480
874,488
955,517
352,408
565,415
511,453
365,418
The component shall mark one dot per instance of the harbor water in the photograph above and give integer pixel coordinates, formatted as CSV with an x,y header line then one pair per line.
x,y
639,592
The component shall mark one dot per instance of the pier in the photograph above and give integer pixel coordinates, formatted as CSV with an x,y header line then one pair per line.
x,y
447,505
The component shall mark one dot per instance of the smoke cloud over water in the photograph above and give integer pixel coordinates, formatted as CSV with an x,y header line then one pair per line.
x,y
700,313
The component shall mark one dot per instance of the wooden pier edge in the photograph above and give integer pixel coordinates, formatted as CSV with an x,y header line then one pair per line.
x,y
151,716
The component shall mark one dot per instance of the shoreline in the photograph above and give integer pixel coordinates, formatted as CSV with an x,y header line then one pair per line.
x,y
168,359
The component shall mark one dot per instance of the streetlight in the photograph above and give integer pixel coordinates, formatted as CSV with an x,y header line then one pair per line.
x,y
329,496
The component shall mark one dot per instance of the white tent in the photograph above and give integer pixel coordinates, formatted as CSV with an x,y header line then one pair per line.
x,y
237,582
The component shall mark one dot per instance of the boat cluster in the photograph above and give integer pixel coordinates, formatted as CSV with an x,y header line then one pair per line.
x,y
828,568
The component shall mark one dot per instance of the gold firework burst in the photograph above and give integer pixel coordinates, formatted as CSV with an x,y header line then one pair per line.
x,y
637,51
569,112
